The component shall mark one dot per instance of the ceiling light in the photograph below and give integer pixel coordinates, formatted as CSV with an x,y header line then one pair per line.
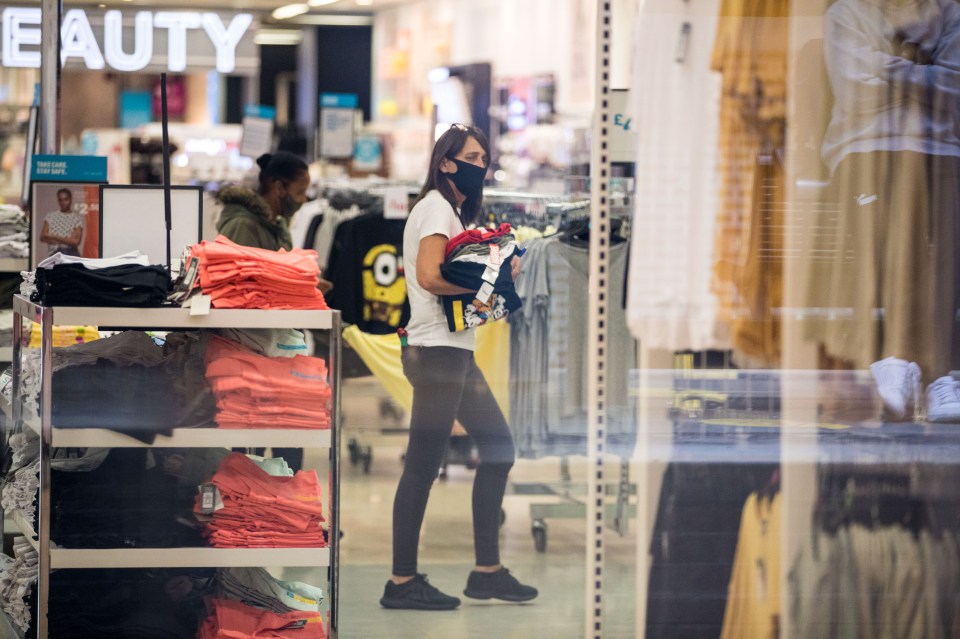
x,y
289,11
320,3
288,37
364,3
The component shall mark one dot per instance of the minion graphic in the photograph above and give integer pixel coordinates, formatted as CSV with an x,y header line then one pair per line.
x,y
384,286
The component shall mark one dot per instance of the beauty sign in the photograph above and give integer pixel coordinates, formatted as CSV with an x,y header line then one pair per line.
x,y
171,40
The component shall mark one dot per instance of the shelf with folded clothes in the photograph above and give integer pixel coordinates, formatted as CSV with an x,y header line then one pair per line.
x,y
176,411
188,557
175,317
14,264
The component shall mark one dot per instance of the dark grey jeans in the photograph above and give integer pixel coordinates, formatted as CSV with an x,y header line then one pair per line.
x,y
446,385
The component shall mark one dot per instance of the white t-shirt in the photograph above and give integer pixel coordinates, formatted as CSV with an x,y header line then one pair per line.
x,y
432,215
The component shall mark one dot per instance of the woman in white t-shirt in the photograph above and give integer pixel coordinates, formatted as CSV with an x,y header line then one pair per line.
x,y
448,385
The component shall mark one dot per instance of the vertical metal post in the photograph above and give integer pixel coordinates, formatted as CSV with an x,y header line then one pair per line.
x,y
598,324
46,439
50,76
333,363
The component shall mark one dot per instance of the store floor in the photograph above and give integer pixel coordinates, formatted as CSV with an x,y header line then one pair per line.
x,y
446,556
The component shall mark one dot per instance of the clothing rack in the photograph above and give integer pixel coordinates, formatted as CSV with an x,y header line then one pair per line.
x,y
568,497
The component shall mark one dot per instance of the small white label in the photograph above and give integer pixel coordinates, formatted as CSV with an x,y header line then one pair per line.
x,y
200,305
483,295
395,203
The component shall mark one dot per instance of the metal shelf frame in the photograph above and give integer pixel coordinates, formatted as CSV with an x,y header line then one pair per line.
x,y
173,318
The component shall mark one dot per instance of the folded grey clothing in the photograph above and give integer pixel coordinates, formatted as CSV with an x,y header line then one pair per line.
x,y
123,349
25,449
257,587
272,342
20,491
78,459
18,574
190,466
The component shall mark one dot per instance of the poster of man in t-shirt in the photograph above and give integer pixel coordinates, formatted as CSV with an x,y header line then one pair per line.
x,y
68,220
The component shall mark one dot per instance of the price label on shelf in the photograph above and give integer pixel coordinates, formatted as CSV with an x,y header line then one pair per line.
x,y
200,305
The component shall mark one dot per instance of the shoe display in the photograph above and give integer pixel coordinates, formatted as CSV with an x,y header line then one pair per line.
x,y
416,594
498,585
898,382
943,400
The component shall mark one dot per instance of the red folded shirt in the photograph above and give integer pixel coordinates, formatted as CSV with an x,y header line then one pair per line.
x,y
256,391
237,276
263,511
230,619
476,236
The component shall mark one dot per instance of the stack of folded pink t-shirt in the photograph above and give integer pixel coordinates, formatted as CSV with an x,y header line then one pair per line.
x,y
236,276
256,391
264,511
233,620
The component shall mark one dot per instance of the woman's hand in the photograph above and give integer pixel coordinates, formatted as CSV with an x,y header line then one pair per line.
x,y
515,267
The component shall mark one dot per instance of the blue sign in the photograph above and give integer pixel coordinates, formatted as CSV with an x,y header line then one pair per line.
x,y
136,109
339,100
68,168
260,111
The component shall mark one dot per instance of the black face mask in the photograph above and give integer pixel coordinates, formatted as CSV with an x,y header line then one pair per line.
x,y
468,179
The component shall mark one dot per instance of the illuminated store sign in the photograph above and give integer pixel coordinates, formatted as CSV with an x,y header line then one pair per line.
x,y
130,47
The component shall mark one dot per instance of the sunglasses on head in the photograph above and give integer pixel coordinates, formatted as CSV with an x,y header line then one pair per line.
x,y
465,127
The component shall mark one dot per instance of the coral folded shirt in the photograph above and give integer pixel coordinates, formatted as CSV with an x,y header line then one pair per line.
x,y
237,276
230,619
264,511
257,391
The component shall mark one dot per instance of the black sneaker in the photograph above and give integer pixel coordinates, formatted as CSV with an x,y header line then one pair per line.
x,y
498,585
416,594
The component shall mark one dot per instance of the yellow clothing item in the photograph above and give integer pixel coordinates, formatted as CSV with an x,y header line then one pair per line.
x,y
381,354
64,335
750,54
753,597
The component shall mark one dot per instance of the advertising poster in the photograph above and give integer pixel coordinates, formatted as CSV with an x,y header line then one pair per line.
x,y
67,218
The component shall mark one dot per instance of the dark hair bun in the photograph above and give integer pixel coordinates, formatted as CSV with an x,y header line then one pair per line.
x,y
264,160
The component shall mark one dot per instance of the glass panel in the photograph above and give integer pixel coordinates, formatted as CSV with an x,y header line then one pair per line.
x,y
793,289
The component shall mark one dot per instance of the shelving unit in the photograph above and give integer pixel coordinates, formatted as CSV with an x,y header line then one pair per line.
x,y
11,265
53,557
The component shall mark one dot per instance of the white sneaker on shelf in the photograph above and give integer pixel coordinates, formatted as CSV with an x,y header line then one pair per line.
x,y
898,382
943,400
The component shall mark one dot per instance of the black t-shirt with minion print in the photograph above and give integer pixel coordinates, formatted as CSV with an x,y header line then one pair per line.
x,y
366,268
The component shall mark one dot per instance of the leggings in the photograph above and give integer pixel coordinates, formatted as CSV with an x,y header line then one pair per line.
x,y
447,384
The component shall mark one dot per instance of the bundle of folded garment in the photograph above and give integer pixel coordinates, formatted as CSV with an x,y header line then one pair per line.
x,y
479,260
14,232
258,588
236,276
253,509
256,391
126,280
234,620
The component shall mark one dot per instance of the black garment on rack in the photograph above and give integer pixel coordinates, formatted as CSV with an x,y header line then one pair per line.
x,y
128,604
129,285
120,504
366,268
693,545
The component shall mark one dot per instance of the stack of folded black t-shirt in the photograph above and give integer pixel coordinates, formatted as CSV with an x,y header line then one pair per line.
x,y
123,285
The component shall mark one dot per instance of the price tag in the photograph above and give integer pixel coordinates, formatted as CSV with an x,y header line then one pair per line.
x,y
208,501
200,305
395,203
